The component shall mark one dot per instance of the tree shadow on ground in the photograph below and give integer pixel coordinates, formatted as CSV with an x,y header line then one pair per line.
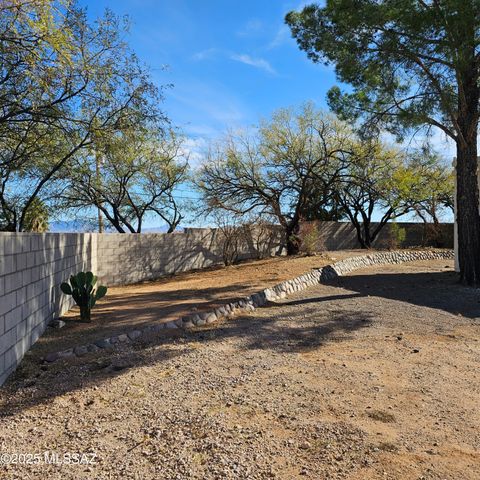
x,y
279,335
438,290
34,384
326,298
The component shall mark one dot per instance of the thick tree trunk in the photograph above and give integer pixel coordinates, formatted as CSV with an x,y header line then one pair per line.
x,y
292,247
372,236
468,217
358,230
367,237
292,239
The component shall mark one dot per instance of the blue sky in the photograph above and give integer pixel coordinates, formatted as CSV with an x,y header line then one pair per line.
x,y
230,62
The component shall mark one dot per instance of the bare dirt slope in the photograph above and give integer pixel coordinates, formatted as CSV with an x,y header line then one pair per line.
x,y
373,377
141,304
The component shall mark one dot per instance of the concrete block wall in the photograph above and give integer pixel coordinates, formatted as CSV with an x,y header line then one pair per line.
x,y
32,266
342,236
133,258
124,259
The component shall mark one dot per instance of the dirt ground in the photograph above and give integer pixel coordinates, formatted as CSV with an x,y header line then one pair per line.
x,y
128,307
374,376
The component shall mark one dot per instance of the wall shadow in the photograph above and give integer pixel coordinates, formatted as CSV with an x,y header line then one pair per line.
x,y
438,290
326,298
34,384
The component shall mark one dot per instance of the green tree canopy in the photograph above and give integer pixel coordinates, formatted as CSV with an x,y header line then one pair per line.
x,y
411,64
381,180
64,83
129,176
437,187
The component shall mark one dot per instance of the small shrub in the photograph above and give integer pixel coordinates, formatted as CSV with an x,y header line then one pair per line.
x,y
81,288
398,235
433,236
264,236
388,447
231,239
310,238
381,416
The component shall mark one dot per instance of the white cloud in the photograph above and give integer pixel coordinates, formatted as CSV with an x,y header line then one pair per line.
x,y
434,137
244,58
207,103
259,63
194,149
438,139
281,37
204,130
252,27
205,54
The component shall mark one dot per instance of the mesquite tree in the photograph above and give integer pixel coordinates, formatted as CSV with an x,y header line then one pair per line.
x,y
273,172
438,187
127,177
411,63
64,82
378,179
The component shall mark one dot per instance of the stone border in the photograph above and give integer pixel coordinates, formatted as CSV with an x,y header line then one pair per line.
x,y
258,299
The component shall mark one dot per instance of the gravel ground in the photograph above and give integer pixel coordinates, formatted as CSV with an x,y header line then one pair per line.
x,y
373,377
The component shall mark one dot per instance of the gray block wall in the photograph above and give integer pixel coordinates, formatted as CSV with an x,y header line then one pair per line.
x,y
32,266
124,259
133,258
342,236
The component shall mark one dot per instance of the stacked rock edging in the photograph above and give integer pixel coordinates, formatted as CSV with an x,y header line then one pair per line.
x,y
259,299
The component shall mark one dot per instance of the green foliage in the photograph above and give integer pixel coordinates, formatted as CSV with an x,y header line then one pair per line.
x,y
310,238
81,288
66,83
437,186
376,178
305,164
401,57
275,171
36,217
129,175
412,65
398,235
322,204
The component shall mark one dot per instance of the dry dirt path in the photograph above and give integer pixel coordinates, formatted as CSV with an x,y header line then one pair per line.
x,y
373,377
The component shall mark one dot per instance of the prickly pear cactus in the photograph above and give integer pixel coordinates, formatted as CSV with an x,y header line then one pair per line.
x,y
81,288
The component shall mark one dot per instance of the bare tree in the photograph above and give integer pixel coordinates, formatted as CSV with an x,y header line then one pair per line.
x,y
232,237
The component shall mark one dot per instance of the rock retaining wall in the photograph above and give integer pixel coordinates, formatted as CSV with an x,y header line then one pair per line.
x,y
261,298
